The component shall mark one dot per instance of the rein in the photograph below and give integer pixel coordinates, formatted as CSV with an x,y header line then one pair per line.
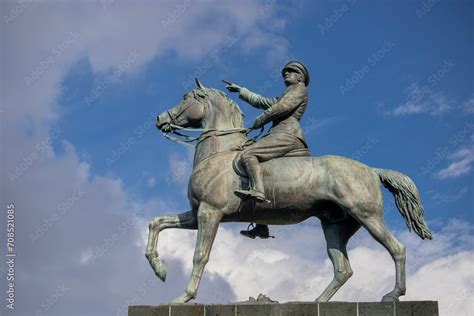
x,y
205,133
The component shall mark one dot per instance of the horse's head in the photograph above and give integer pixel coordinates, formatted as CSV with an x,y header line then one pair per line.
x,y
194,107
187,113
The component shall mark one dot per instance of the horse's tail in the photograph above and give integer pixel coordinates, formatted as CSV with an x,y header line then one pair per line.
x,y
407,199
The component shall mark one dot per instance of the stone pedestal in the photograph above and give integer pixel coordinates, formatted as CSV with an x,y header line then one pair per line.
x,y
406,308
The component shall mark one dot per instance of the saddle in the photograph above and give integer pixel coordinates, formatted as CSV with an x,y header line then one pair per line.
x,y
240,170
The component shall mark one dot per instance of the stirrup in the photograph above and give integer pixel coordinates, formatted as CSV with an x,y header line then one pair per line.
x,y
255,232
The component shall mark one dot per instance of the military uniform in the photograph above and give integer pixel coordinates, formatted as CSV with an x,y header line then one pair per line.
x,y
284,136
285,112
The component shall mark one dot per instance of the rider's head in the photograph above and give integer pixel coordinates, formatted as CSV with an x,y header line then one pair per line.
x,y
295,72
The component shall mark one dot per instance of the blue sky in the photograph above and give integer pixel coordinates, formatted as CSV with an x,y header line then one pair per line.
x,y
362,68
391,86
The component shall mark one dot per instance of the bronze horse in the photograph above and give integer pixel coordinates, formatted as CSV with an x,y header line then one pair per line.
x,y
343,193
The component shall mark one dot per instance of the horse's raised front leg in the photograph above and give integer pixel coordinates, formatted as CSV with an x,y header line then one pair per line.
x,y
185,220
208,219
337,235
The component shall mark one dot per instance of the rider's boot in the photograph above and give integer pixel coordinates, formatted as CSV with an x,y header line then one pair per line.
x,y
256,191
258,231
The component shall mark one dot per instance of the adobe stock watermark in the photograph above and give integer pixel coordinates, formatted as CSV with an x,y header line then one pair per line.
x,y
365,149
418,94
138,294
17,10
336,15
439,74
359,74
51,300
442,152
61,209
175,14
28,160
209,62
10,255
132,140
51,59
107,81
111,240
426,7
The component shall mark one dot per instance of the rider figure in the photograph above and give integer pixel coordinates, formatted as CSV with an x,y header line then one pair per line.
x,y
284,136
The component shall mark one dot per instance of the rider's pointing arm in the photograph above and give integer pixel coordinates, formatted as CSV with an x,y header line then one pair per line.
x,y
256,100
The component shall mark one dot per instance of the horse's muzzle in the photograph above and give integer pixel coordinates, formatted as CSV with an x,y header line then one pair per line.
x,y
163,124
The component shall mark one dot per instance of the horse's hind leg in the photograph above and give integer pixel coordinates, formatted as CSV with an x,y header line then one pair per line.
x,y
185,220
376,227
337,235
208,219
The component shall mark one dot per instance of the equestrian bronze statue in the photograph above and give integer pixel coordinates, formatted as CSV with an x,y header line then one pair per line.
x,y
343,193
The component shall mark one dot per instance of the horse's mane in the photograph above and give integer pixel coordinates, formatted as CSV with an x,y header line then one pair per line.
x,y
237,114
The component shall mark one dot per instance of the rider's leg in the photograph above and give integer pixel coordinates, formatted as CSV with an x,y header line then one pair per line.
x,y
272,146
257,189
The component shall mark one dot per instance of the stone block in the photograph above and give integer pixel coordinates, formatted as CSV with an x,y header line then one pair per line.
x,y
376,309
255,309
296,308
187,310
337,308
220,310
418,308
162,310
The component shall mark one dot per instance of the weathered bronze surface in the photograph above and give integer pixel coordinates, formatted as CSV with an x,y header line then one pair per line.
x,y
343,193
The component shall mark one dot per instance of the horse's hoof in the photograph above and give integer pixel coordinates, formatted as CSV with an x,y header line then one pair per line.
x,y
159,266
182,299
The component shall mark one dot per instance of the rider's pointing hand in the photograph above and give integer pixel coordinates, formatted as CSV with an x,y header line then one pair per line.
x,y
232,87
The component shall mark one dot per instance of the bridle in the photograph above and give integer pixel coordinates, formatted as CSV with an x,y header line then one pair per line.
x,y
174,118
205,132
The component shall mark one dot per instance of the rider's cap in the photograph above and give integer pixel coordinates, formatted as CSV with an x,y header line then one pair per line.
x,y
296,65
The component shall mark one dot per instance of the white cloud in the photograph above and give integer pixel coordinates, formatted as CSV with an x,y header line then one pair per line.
x,y
86,256
151,182
454,276
180,168
468,106
421,99
440,104
447,197
461,164
409,108
285,270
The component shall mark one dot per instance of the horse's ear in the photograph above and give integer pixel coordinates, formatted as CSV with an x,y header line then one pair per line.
x,y
198,83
